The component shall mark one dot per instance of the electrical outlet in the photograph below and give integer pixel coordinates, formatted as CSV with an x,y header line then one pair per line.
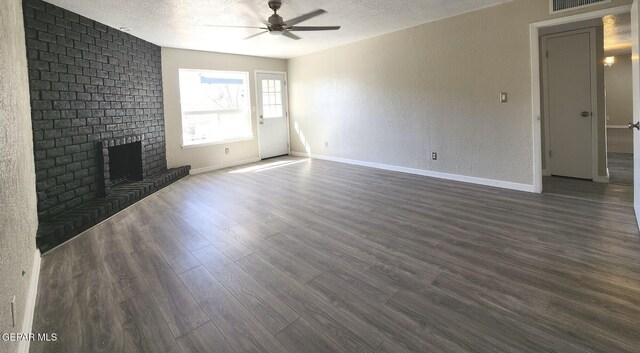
x,y
434,156
504,97
226,150
326,145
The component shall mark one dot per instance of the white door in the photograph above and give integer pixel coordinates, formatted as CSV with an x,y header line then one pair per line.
x,y
635,37
568,104
273,124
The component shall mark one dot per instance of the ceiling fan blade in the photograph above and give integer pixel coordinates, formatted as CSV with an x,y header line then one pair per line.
x,y
318,28
251,10
221,26
290,35
305,17
255,35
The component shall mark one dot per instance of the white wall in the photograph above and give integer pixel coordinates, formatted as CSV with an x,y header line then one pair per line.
x,y
396,98
18,213
207,157
619,104
619,95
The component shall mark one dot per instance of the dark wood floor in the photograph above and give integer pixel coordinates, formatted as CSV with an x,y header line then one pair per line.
x,y
297,255
620,168
618,190
588,190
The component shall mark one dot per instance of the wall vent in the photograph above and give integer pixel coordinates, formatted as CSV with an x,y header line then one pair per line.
x,y
567,5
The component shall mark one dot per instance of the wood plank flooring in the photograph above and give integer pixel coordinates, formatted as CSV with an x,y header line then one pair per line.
x,y
588,190
619,189
298,255
620,168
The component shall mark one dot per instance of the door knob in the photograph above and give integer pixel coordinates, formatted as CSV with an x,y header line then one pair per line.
x,y
585,114
636,125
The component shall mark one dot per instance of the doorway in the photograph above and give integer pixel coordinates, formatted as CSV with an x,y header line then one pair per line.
x,y
273,124
619,103
586,154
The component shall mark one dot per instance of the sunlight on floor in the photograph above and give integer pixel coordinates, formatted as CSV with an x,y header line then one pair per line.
x,y
267,166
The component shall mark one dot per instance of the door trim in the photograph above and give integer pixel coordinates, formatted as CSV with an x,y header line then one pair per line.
x,y
534,49
286,106
635,72
594,98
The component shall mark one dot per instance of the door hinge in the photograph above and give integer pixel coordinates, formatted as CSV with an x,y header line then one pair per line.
x,y
549,153
285,83
547,54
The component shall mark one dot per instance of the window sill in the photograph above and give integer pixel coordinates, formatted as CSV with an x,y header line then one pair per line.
x,y
205,144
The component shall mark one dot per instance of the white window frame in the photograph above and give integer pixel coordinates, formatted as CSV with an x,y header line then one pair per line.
x,y
246,78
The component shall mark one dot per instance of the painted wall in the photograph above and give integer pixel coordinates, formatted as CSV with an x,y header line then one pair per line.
x,y
396,98
619,104
619,94
213,156
18,215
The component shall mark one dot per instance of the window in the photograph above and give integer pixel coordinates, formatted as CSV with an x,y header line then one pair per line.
x,y
215,106
272,98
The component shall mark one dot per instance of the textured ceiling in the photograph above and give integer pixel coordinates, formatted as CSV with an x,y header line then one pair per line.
x,y
617,33
181,23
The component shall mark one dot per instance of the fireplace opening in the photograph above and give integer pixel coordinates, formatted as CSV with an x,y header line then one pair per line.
x,y
125,163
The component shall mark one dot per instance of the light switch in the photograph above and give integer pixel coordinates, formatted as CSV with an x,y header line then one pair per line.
x,y
503,97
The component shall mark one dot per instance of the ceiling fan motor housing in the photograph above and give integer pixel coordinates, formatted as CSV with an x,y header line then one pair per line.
x,y
276,21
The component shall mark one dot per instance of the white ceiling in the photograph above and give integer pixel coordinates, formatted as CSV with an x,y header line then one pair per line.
x,y
181,23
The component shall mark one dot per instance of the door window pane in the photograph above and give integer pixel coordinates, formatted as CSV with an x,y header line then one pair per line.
x,y
272,99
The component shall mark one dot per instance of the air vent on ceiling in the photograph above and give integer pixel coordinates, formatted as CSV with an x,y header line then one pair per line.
x,y
566,5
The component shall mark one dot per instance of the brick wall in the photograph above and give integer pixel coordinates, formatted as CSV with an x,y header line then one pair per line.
x,y
88,83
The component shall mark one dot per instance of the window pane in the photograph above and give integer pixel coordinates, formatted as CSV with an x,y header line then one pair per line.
x,y
272,99
215,106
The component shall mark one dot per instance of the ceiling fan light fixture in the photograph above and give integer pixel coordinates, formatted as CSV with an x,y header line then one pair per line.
x,y
609,61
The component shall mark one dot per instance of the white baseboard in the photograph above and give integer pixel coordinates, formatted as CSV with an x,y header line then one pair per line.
x,y
428,173
30,303
602,178
222,166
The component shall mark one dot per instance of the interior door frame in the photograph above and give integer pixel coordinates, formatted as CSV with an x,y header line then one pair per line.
x,y
594,99
534,49
635,72
285,105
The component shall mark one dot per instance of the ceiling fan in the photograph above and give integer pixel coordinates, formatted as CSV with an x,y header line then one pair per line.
x,y
278,26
